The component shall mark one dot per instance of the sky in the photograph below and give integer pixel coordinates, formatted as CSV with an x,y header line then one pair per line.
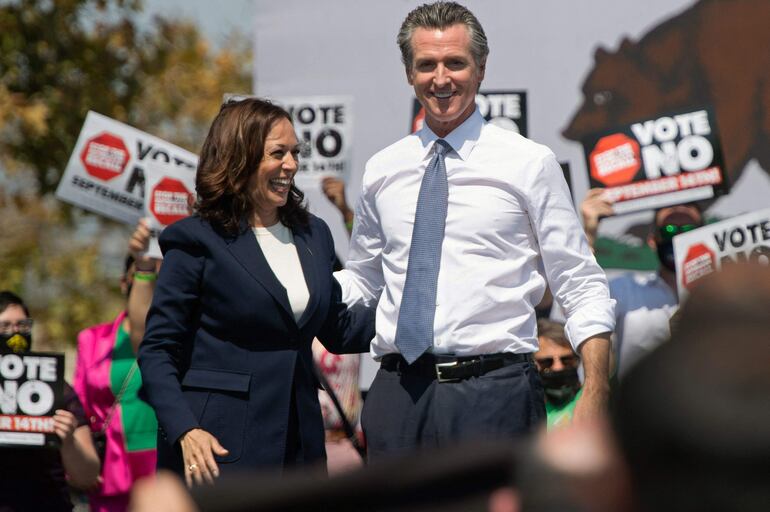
x,y
215,18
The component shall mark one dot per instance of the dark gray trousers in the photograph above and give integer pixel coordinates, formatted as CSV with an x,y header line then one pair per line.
x,y
406,410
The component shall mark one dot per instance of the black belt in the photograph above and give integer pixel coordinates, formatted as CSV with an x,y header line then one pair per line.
x,y
446,368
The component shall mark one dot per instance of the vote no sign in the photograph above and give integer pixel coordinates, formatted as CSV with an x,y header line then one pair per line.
x,y
671,159
31,388
698,253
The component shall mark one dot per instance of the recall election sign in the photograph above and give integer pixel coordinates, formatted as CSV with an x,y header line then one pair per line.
x,y
507,109
31,389
324,126
672,159
170,195
107,171
700,252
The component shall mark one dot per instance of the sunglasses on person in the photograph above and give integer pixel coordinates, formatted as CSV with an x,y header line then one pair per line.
x,y
669,231
22,326
569,361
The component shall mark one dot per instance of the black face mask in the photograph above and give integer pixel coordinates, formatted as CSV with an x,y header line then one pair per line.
x,y
666,254
560,387
15,342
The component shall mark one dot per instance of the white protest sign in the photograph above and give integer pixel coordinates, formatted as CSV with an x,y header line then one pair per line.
x,y
705,250
31,389
106,173
324,125
169,198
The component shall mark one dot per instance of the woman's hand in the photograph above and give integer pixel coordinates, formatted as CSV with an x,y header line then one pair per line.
x,y
198,450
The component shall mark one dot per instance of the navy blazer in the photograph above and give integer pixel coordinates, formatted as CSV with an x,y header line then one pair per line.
x,y
222,350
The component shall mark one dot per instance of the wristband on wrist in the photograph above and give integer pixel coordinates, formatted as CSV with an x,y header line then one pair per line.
x,y
145,275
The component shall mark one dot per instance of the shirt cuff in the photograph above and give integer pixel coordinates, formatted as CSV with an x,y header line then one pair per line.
x,y
589,320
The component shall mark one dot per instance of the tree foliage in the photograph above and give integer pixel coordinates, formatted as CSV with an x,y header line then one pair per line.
x,y
58,60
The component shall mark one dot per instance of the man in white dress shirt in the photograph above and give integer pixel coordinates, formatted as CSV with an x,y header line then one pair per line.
x,y
508,214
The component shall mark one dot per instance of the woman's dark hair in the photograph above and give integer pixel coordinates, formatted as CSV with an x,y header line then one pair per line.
x,y
231,154
11,299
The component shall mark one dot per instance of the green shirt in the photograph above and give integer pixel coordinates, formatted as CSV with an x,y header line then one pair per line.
x,y
560,416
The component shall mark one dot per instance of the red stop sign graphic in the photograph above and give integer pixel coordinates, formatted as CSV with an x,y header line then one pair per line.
x,y
170,201
615,159
699,262
105,156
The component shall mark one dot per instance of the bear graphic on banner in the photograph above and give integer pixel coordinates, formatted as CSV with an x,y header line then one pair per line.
x,y
715,53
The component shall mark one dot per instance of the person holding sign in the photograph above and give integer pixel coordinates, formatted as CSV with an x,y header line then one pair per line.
x,y
107,381
645,303
458,230
37,478
245,286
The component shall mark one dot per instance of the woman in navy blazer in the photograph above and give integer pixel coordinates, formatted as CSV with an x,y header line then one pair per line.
x,y
226,359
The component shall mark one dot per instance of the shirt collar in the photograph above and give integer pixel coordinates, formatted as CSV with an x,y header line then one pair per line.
x,y
462,139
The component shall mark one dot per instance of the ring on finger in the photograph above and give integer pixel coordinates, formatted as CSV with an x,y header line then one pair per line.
x,y
192,467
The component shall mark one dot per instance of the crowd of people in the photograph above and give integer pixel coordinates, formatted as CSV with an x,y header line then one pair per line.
x,y
235,360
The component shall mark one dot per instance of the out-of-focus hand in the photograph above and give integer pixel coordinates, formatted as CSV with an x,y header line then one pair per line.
x,y
198,450
334,189
593,208
138,245
161,492
65,425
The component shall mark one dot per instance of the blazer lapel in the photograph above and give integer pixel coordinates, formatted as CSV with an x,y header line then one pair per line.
x,y
308,261
246,250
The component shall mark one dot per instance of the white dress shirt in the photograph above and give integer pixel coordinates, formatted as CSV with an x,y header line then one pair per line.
x,y
509,218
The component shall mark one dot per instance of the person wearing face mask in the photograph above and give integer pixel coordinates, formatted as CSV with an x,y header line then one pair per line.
x,y
645,302
37,478
557,365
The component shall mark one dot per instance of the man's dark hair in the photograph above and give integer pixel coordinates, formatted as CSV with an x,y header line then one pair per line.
x,y
441,15
8,298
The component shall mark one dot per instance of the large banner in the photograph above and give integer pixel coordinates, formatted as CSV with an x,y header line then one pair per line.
x,y
707,249
107,171
670,159
31,389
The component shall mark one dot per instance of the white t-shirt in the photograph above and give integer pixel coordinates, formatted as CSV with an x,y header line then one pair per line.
x,y
277,244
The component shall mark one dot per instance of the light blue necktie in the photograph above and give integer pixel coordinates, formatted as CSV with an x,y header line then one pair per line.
x,y
414,331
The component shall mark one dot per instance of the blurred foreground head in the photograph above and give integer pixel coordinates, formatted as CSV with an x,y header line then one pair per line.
x,y
693,419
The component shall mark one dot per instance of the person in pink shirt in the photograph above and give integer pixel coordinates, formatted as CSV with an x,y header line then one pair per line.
x,y
107,382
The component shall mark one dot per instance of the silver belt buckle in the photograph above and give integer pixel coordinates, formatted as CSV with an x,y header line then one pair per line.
x,y
439,366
